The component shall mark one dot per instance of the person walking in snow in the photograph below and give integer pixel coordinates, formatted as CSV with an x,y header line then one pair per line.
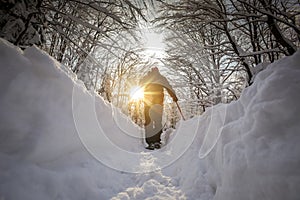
x,y
154,84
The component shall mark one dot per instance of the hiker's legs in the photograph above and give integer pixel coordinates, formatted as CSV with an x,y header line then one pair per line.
x,y
155,114
148,125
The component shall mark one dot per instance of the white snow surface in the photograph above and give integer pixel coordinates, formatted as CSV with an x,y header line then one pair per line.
x,y
59,141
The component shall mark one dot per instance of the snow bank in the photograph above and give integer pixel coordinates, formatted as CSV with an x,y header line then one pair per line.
x,y
249,149
42,156
258,153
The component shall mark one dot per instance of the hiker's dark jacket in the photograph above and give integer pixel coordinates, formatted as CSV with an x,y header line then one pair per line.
x,y
153,84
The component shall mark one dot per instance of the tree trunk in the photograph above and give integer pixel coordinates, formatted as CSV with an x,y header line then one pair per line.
x,y
291,49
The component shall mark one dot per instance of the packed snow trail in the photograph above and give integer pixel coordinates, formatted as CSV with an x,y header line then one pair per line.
x,y
153,184
59,141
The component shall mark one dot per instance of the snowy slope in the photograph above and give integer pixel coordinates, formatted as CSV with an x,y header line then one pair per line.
x,y
58,141
42,156
249,149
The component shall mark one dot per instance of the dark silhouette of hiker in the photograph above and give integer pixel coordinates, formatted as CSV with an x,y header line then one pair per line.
x,y
154,84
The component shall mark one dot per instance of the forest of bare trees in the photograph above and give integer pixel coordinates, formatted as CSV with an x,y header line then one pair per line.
x,y
214,48
217,44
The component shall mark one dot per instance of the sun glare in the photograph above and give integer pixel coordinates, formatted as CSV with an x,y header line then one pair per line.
x,y
154,44
136,93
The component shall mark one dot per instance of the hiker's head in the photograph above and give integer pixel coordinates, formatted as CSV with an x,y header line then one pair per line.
x,y
154,69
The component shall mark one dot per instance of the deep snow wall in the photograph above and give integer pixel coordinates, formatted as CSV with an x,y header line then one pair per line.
x,y
39,100
248,149
41,154
255,140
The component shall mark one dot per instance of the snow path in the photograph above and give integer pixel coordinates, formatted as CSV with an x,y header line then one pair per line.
x,y
154,184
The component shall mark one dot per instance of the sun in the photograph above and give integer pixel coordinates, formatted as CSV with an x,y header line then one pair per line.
x,y
136,93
